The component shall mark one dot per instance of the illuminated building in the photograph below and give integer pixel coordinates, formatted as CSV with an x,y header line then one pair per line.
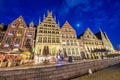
x,y
106,42
48,34
95,44
70,43
18,35
59,41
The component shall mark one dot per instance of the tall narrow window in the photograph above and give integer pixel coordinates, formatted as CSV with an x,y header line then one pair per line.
x,y
53,40
57,40
28,42
8,40
49,40
13,25
73,52
17,41
21,25
40,39
44,39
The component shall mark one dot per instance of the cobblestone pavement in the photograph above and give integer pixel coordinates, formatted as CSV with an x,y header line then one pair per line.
x,y
112,73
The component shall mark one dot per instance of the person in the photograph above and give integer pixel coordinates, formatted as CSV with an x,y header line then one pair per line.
x,y
70,59
89,71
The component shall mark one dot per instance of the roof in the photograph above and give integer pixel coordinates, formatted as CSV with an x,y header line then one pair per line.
x,y
81,35
98,35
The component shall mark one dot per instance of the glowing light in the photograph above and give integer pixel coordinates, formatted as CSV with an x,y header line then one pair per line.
x,y
78,25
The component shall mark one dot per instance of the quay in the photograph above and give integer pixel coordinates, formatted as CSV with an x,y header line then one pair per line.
x,y
56,72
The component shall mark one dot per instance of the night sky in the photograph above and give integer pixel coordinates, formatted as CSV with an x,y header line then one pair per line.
x,y
104,14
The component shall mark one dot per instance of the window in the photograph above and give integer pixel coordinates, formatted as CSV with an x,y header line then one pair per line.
x,y
73,52
57,40
49,31
53,26
57,32
19,32
30,33
40,39
11,32
45,31
64,49
53,40
17,41
65,30
53,32
68,42
75,42
44,39
70,36
21,25
28,42
63,35
49,25
66,36
77,51
8,40
45,25
13,25
69,52
40,31
49,40
49,19
71,41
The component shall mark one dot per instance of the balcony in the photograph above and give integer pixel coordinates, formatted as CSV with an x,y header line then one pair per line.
x,y
13,26
29,35
6,45
16,45
10,34
19,34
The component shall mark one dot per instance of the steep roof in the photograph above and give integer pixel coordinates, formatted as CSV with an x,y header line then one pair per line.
x,y
20,19
98,35
68,25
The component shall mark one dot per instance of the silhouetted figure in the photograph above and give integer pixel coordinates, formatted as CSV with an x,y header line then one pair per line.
x,y
70,59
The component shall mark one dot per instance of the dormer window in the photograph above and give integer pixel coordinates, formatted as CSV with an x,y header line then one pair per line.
x,y
19,19
29,34
21,26
11,32
19,33
13,25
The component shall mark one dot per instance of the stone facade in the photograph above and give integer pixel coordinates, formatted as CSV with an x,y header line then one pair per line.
x,y
48,34
70,43
64,40
95,44
16,35
106,42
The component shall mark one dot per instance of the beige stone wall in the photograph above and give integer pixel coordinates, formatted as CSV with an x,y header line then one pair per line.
x,y
70,44
48,34
55,72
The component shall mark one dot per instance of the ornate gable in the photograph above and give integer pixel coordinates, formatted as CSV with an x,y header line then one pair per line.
x,y
50,20
89,34
67,27
18,23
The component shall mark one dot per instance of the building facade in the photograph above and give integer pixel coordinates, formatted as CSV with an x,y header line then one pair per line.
x,y
30,37
106,42
70,43
94,44
48,34
16,35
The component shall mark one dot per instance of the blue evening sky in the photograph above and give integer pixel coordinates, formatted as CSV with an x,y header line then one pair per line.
x,y
104,14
